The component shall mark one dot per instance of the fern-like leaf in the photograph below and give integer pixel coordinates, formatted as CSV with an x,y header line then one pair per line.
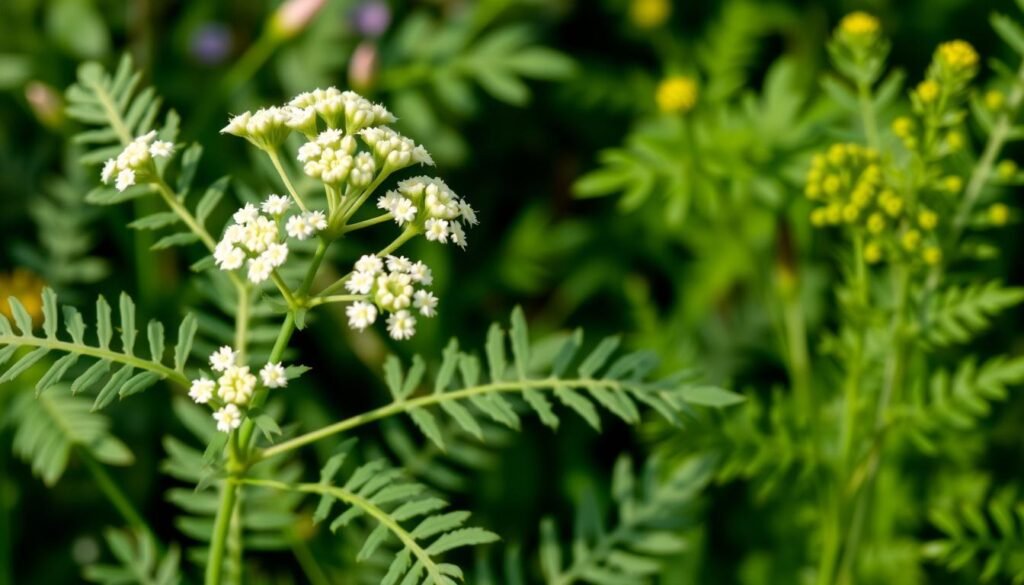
x,y
138,561
49,428
984,539
128,372
400,511
961,313
652,512
618,386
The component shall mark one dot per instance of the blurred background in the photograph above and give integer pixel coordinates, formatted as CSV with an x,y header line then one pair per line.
x,y
545,115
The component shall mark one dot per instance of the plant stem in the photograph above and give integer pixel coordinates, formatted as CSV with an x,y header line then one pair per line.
x,y
404,237
367,223
215,560
178,208
317,301
113,492
276,160
867,114
982,170
242,322
235,544
431,399
893,372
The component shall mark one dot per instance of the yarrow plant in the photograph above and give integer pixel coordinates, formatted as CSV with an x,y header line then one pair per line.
x,y
270,254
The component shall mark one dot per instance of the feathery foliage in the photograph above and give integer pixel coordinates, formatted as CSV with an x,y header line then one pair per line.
x,y
652,511
128,373
989,535
140,561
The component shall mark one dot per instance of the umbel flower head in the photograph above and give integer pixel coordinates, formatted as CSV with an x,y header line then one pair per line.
x,y
390,286
432,206
234,386
134,165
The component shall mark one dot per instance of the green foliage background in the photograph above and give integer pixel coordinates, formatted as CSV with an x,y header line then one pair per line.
x,y
517,99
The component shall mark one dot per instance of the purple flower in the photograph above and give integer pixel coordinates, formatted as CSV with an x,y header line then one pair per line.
x,y
211,44
371,18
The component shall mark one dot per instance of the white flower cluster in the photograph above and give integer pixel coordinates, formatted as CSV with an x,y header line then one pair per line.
x,y
332,157
265,128
134,162
234,387
336,106
254,240
394,150
390,287
430,203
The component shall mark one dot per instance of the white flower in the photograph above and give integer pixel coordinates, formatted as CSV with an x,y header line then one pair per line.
x,y
426,302
329,137
317,219
360,282
458,236
401,325
201,390
228,418
223,358
273,376
394,291
399,264
297,227
404,211
467,212
388,201
237,125
234,233
259,234
420,273
228,257
362,170
276,205
161,149
236,385
135,154
275,254
436,230
361,315
301,119
125,179
309,151
369,263
109,168
246,214
259,269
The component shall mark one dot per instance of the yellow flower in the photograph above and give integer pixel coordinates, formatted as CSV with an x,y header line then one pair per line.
x,y
932,255
927,91
953,184
902,126
677,94
647,14
837,154
850,213
893,206
859,24
872,253
831,184
1006,170
25,286
959,56
910,239
834,213
999,214
927,219
994,99
819,217
954,141
876,223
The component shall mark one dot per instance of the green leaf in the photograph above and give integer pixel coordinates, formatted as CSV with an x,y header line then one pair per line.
x,y
709,396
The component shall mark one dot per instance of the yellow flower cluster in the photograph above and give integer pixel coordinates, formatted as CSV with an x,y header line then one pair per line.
x,y
648,14
677,94
958,56
859,24
847,183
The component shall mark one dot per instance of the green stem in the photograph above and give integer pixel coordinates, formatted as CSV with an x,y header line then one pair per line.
x,y
235,544
893,373
318,258
276,160
96,352
282,287
867,114
404,237
113,492
385,519
549,384
242,322
218,541
317,301
178,208
367,223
